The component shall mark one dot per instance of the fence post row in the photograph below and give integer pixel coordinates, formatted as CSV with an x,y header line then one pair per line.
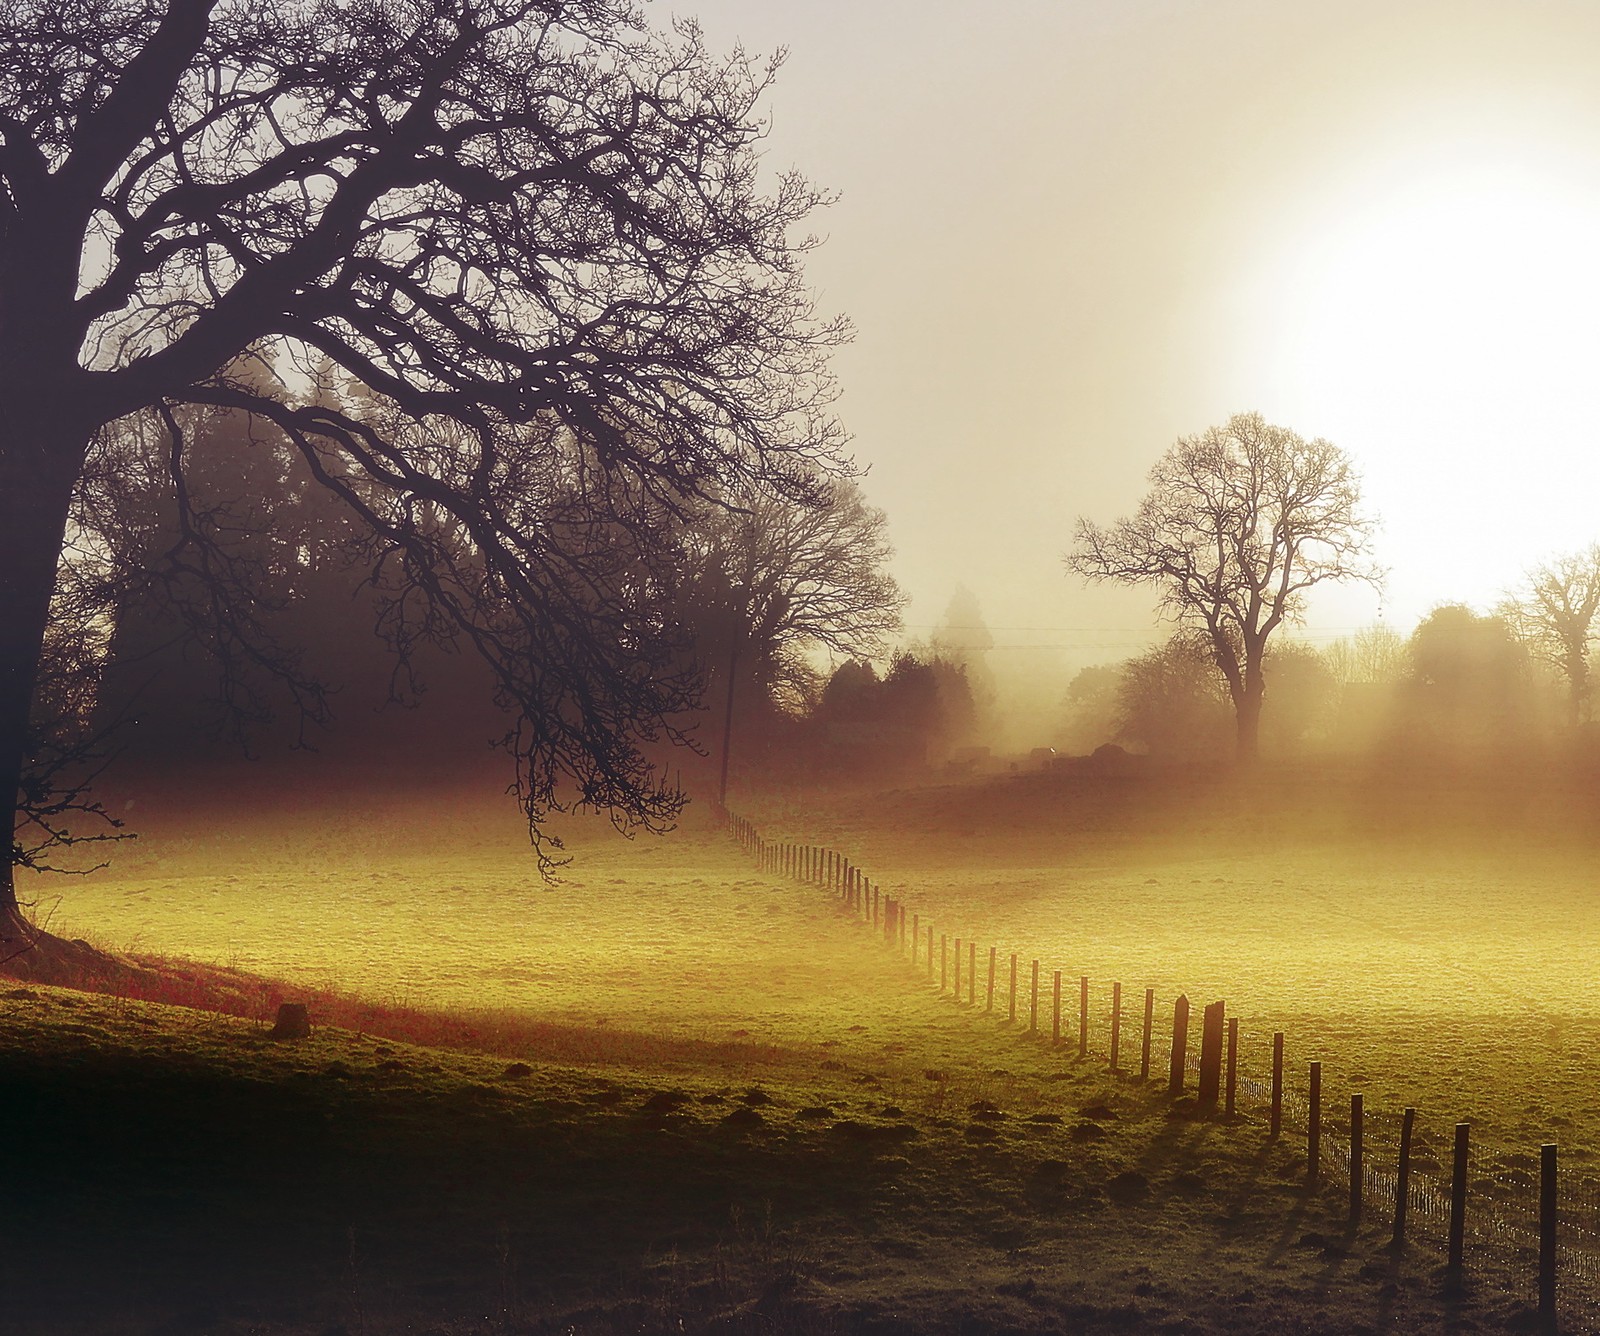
x,y
819,865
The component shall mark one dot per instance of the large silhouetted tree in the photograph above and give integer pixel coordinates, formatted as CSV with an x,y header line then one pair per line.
x,y
527,228
1238,524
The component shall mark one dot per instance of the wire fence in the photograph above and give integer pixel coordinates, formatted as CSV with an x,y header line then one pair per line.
x,y
1508,1219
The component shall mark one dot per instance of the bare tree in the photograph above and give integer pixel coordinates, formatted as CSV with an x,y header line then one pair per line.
x,y
1375,655
770,582
1238,524
518,224
1553,613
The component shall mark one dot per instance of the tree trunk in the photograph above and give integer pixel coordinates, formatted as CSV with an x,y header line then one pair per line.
x,y
1247,710
41,454
1578,693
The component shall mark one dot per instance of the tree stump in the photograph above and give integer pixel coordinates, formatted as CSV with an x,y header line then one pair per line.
x,y
294,1021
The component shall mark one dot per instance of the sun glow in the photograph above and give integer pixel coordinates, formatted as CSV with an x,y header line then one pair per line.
x,y
1444,325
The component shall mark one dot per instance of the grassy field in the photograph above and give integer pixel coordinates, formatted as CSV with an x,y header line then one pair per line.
x,y
1432,945
739,1113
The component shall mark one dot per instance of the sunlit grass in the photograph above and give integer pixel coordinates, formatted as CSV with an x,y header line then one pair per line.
x,y
904,1155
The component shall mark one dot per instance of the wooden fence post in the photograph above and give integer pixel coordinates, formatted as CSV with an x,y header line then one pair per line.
x,y
944,962
958,969
1357,1161
1233,1065
1083,1015
1149,1019
972,973
1211,1028
1011,1014
1055,1012
1314,1132
1402,1181
1547,1236
1180,1045
916,934
1033,1006
989,1005
1458,1201
1277,1084
930,950
1116,1027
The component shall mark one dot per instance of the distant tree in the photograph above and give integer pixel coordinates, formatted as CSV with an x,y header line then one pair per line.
x,y
805,577
963,637
1305,695
930,698
516,224
1554,613
1089,708
916,712
769,583
1374,655
1173,700
1469,682
1238,524
851,694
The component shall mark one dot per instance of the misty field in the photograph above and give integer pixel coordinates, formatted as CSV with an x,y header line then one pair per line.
x,y
1434,950
1453,967
1433,943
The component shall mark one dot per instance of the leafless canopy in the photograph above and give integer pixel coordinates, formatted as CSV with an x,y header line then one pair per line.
x,y
1554,614
523,226
1239,523
781,580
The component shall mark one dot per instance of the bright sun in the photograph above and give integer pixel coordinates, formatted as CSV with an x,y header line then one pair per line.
x,y
1444,325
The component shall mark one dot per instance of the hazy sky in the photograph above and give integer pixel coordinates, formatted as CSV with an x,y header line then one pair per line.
x,y
1068,233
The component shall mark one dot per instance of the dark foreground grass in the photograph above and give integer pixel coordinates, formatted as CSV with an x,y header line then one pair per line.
x,y
170,1170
